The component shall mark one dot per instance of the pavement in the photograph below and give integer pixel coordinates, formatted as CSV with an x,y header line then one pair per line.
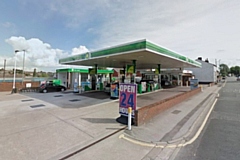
x,y
174,124
34,128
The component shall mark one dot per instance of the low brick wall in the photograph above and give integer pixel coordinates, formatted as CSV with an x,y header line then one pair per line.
x,y
146,113
7,86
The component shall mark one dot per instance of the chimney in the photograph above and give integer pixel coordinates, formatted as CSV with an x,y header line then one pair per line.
x,y
207,60
200,58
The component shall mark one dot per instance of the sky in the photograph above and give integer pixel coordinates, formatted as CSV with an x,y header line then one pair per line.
x,y
48,30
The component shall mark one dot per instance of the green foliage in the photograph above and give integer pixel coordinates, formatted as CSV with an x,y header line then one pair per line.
x,y
34,73
43,74
224,69
235,70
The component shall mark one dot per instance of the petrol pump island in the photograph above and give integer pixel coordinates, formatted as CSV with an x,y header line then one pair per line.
x,y
126,70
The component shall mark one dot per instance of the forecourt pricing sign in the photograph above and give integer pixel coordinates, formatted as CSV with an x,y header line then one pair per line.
x,y
127,98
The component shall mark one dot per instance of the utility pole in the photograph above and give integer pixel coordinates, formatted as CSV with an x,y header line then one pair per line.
x,y
4,68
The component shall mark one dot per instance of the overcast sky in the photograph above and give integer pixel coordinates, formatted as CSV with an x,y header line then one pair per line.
x,y
52,29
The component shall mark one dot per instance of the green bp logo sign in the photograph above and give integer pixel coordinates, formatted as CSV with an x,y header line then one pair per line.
x,y
88,55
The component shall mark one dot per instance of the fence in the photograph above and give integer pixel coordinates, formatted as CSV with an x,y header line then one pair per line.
x,y
8,86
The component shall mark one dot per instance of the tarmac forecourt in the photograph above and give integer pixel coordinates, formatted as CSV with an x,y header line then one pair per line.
x,y
70,128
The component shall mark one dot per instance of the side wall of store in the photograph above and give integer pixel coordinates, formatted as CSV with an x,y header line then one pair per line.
x,y
80,78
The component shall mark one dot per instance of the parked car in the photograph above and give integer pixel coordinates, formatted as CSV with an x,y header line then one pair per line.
x,y
50,87
238,78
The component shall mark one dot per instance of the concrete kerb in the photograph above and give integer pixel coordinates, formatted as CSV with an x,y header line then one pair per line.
x,y
199,119
190,134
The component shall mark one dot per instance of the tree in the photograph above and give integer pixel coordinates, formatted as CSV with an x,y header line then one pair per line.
x,y
43,74
34,72
224,70
235,70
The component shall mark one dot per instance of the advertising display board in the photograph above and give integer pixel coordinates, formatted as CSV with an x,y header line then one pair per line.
x,y
114,90
193,83
144,86
127,98
28,85
75,87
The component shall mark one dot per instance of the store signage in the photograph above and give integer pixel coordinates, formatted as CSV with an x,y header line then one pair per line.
x,y
127,98
130,69
87,55
92,71
157,71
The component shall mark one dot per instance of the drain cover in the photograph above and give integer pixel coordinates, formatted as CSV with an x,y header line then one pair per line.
x,y
176,112
26,100
74,100
58,96
36,106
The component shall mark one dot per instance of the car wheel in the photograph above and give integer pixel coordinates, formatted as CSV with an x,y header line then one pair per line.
x,y
62,89
44,91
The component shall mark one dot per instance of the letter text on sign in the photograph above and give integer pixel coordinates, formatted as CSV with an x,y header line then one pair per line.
x,y
127,98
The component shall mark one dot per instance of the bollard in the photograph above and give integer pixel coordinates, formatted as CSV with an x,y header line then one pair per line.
x,y
201,88
129,118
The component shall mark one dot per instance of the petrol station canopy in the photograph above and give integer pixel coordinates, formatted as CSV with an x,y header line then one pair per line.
x,y
147,55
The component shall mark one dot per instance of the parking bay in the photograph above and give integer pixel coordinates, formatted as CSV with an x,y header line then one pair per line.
x,y
70,99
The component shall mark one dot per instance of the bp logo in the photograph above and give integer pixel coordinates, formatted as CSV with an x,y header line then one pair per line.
x,y
87,56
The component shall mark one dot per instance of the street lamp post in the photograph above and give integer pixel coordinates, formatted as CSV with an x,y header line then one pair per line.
x,y
23,66
14,73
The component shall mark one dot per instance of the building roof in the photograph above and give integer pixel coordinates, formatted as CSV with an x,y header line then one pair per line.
x,y
147,55
201,61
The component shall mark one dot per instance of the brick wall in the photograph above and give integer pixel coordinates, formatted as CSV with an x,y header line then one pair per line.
x,y
7,86
146,113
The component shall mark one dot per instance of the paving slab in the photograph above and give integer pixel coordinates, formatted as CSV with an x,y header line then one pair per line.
x,y
113,148
41,142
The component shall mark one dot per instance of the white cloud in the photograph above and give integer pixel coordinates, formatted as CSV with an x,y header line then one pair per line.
x,y
193,28
18,43
79,50
38,54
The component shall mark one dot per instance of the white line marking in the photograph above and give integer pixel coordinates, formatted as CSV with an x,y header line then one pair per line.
x,y
202,126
